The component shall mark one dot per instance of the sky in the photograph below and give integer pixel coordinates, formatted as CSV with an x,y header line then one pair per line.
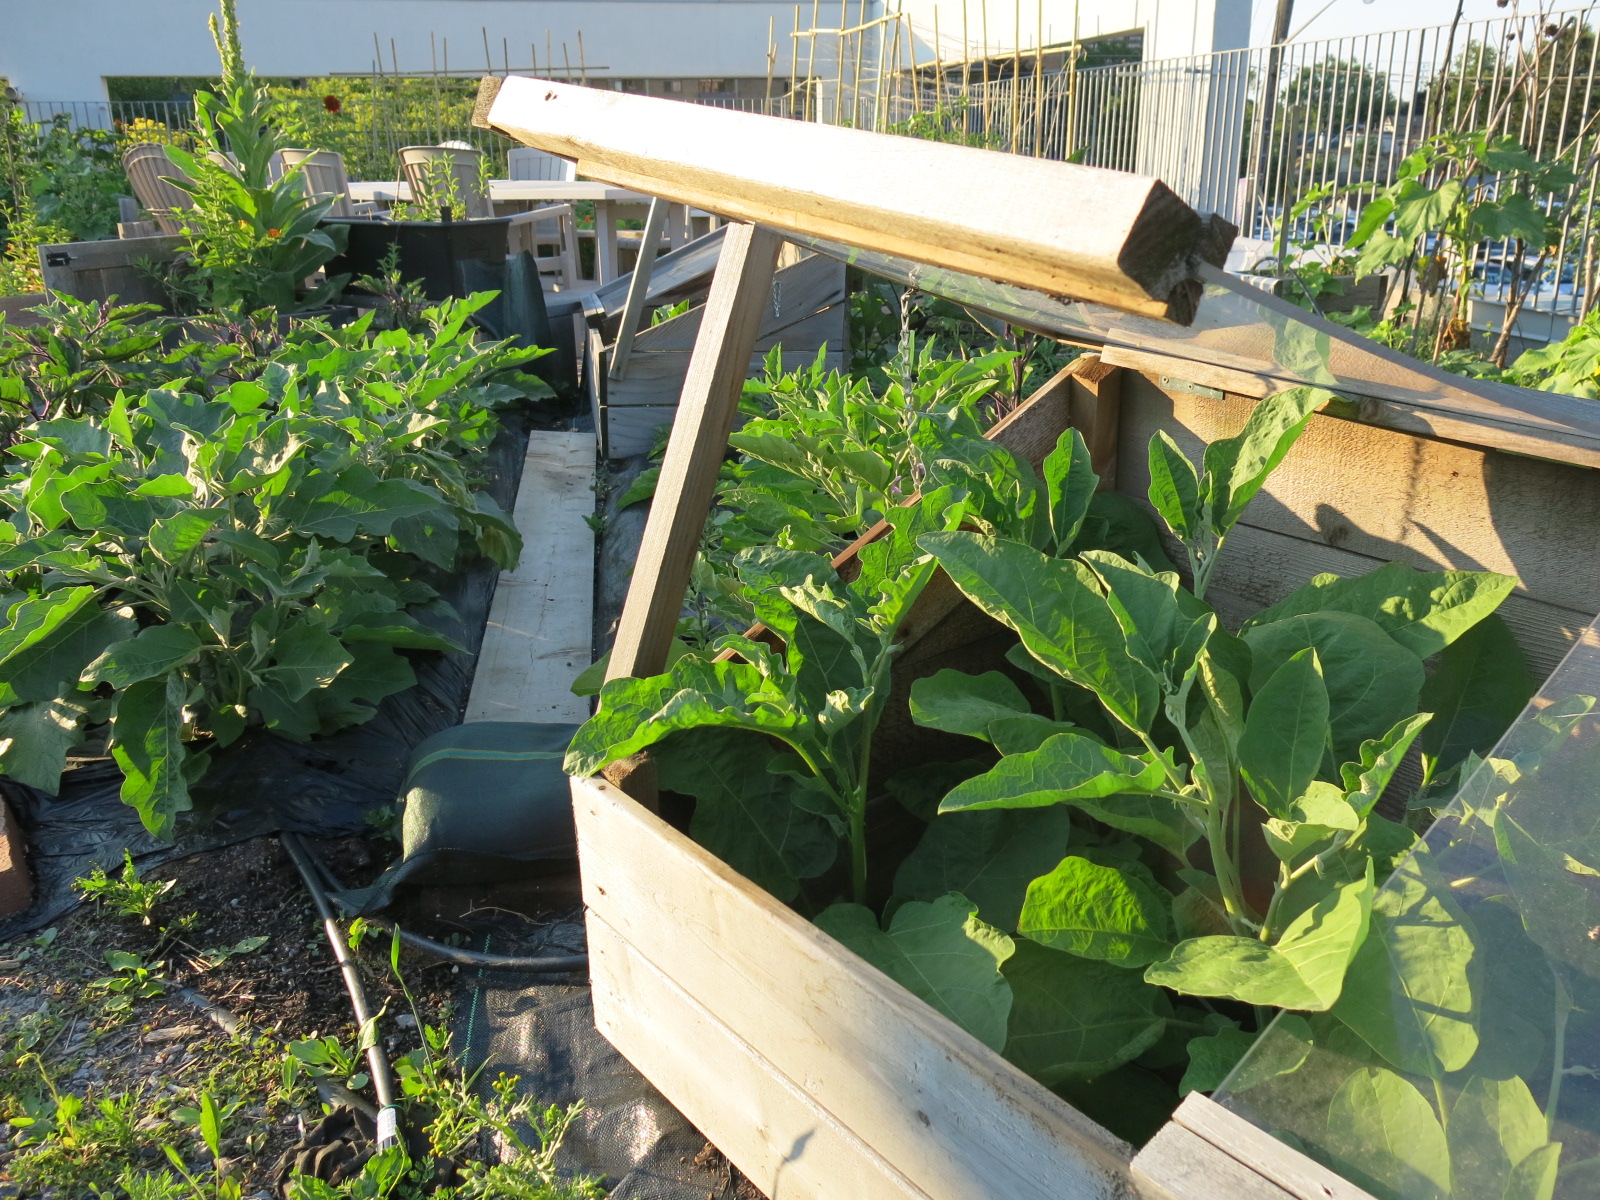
x,y
1345,18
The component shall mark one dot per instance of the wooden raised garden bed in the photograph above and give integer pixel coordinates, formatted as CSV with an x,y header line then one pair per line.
x,y
818,1076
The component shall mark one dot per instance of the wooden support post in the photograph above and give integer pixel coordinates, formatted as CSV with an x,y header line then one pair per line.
x,y
638,288
717,369
1095,404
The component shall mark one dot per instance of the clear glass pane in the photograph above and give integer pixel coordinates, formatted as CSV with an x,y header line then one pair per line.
x,y
1467,1064
1242,328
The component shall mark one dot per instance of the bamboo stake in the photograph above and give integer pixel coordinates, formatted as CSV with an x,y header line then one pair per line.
x,y
813,110
794,60
838,61
938,63
916,79
566,71
891,114
549,54
966,66
1038,86
855,57
1016,76
583,66
488,60
1072,86
772,58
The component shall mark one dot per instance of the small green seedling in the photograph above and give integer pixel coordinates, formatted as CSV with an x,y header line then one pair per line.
x,y
126,893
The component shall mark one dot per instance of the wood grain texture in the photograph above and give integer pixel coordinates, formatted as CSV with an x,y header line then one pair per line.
x,y
1394,496
106,269
798,291
1123,240
768,1128
1178,1164
688,478
541,622
1296,1174
1470,428
1095,411
944,1111
656,376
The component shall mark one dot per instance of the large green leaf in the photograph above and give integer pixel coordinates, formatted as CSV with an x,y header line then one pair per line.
x,y
1410,990
1366,779
940,952
1165,822
1424,612
1070,483
1075,1018
1165,628
1304,969
1236,467
305,657
1174,486
35,738
1057,608
1494,1124
173,537
1480,685
636,713
1285,734
49,641
744,813
989,857
1069,766
147,743
152,651
960,703
357,501
1372,682
1383,1135
1098,911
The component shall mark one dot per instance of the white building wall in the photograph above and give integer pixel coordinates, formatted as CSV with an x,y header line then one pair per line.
x,y
60,50
1172,28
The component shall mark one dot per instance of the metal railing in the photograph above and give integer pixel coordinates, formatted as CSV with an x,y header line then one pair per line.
x,y
1248,133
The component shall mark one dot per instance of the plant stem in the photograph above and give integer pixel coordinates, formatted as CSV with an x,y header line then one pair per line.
x,y
1558,1054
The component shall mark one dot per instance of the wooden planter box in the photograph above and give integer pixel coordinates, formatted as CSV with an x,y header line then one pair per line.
x,y
821,1078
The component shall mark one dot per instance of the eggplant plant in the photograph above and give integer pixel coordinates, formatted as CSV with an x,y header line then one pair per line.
x,y
188,564
1166,830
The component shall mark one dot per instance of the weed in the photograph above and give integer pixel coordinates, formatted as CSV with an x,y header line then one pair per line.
x,y
126,893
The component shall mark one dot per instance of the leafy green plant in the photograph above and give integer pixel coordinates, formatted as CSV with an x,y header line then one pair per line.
x,y
192,565
252,239
1454,193
126,893
77,360
1089,895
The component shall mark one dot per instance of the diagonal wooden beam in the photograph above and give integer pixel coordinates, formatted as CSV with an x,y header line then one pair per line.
x,y
710,399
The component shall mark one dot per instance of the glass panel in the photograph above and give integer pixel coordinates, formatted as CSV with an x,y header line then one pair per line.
x,y
1243,328
1463,1058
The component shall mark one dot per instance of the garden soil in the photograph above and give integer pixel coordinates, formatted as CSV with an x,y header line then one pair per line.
x,y
540,1028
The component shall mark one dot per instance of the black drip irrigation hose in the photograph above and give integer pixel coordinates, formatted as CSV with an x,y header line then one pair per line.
x,y
546,964
377,1064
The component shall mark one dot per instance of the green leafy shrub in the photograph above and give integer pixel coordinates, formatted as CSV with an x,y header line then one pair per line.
x,y
197,562
1087,896
252,239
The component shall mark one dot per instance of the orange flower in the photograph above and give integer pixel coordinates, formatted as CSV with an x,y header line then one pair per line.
x,y
272,233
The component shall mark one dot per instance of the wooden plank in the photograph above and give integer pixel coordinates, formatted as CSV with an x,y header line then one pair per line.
x,y
1119,239
1473,429
541,622
684,271
1260,567
1395,496
656,376
1299,1176
694,454
798,291
638,287
1177,1164
770,1129
942,1109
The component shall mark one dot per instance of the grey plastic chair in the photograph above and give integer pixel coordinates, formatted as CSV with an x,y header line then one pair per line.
x,y
146,164
447,175
528,163
323,173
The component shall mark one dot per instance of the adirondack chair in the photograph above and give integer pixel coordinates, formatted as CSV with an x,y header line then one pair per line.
x,y
527,163
549,234
148,168
442,174
323,174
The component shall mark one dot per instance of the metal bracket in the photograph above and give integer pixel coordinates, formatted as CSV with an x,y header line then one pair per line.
x,y
1170,383
57,258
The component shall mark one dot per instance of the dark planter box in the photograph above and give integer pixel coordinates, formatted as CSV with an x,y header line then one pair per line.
x,y
431,252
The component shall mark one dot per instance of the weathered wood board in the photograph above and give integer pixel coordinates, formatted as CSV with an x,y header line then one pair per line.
x,y
1351,496
845,1080
540,633
116,267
